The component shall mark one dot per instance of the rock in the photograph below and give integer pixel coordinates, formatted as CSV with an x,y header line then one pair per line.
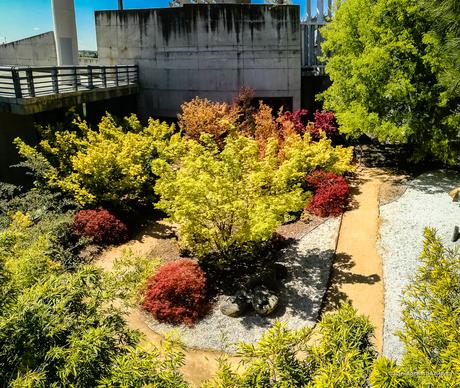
x,y
237,305
264,301
454,194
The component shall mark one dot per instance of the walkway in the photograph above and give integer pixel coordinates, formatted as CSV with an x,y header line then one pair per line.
x,y
357,274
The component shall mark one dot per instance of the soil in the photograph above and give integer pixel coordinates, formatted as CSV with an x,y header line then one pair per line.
x,y
357,275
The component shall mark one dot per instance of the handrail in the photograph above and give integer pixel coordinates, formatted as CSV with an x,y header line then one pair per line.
x,y
35,81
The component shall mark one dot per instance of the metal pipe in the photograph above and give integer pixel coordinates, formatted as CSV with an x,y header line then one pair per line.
x,y
120,5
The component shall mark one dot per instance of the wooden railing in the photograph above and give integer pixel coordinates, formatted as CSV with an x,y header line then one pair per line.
x,y
25,82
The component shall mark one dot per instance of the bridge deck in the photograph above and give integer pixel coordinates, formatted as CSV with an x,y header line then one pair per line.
x,y
25,90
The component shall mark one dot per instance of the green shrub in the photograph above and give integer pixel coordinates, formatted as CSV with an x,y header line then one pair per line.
x,y
388,71
431,316
222,200
110,165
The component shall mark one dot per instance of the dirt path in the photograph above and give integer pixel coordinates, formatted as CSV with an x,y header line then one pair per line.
x,y
357,274
199,365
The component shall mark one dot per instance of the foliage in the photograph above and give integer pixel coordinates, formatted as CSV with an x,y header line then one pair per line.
x,y
107,166
342,356
323,122
50,214
200,116
331,194
128,278
222,200
100,225
444,39
431,314
385,70
177,293
61,329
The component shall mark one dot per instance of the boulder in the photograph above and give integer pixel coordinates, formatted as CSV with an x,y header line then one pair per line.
x,y
264,301
236,305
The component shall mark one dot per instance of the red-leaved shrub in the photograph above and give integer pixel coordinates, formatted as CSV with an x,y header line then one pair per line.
x,y
176,293
330,196
101,225
324,122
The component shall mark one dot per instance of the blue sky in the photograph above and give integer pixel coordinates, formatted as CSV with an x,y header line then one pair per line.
x,y
22,18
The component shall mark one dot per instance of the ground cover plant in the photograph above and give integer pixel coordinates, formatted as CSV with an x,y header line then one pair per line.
x,y
388,62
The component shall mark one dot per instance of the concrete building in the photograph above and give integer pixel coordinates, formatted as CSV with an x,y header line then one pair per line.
x,y
205,50
38,50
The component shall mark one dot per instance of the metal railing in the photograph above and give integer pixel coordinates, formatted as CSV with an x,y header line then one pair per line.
x,y
311,46
26,81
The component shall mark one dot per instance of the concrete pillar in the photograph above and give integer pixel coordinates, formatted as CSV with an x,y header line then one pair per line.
x,y
65,32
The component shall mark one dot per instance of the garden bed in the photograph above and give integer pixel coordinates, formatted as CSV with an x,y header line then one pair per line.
x,y
308,259
425,203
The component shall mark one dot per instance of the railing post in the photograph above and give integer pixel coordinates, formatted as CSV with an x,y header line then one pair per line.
x,y
16,82
116,75
55,80
75,79
104,76
90,77
127,75
30,82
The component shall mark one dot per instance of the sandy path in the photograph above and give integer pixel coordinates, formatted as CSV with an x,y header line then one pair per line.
x,y
357,274
199,365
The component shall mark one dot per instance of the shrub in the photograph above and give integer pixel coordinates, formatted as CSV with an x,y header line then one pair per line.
x,y
331,193
107,165
176,293
100,225
203,116
324,122
225,200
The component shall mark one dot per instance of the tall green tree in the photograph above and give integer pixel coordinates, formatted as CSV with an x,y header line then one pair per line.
x,y
388,76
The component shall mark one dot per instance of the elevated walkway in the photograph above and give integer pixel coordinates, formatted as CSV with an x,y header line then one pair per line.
x,y
29,90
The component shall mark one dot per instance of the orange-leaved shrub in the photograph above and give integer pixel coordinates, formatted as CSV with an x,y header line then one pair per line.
x,y
330,196
177,293
100,225
200,116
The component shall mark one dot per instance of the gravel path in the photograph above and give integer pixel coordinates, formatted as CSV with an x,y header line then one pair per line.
x,y
308,262
425,203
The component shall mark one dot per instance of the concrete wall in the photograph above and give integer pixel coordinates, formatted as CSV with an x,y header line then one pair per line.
x,y
204,50
38,50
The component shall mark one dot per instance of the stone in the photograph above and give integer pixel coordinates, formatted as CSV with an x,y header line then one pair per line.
x,y
454,194
264,301
236,305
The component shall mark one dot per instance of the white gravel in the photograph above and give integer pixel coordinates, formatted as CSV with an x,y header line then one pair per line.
x,y
425,203
308,261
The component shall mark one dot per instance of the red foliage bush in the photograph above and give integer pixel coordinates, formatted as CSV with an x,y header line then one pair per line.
x,y
176,293
324,121
101,225
330,196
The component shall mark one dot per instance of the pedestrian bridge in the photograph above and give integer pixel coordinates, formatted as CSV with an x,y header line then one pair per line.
x,y
28,90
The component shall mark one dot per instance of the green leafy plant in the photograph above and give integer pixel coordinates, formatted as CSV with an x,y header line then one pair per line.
x,y
109,165
223,200
385,66
431,334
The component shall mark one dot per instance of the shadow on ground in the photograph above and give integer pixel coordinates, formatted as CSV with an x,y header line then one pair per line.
x,y
342,274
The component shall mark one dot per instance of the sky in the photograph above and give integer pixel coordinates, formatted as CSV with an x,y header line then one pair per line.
x,y
23,18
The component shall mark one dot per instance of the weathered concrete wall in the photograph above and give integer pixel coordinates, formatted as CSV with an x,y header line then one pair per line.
x,y
204,50
38,50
